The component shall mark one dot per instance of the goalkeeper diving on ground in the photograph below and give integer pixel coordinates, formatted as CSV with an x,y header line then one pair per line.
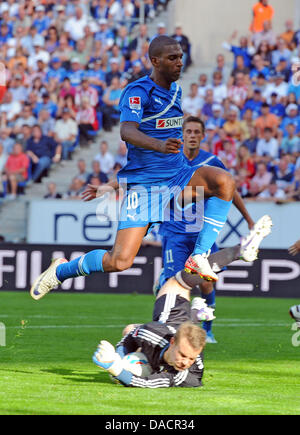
x,y
173,342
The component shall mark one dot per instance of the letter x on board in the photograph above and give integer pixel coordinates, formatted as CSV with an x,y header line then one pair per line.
x,y
233,230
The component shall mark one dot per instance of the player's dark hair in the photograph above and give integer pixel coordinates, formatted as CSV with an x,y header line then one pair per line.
x,y
194,119
157,45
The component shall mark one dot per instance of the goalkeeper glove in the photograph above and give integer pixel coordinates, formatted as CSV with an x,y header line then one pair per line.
x,y
108,359
203,312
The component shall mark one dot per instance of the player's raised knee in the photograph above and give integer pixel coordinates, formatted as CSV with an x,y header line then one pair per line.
x,y
225,183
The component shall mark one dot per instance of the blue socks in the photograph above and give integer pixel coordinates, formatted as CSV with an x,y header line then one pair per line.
x,y
81,266
215,215
211,302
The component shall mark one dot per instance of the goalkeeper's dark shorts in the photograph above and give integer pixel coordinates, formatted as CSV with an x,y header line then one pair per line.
x,y
172,310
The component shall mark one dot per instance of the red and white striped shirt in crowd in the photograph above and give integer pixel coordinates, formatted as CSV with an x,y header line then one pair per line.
x,y
90,93
238,94
86,116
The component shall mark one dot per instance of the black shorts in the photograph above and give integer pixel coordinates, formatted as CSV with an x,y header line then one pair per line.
x,y
172,310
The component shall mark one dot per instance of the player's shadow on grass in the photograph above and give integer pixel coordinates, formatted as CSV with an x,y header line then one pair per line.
x,y
17,371
76,376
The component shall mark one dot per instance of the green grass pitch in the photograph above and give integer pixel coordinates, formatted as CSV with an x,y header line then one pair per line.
x,y
46,366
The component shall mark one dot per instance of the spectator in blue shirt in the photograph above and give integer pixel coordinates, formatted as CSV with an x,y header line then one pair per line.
x,y
100,9
105,34
290,118
207,107
111,99
259,68
283,173
96,172
290,144
294,89
56,71
76,73
115,71
245,49
5,34
47,104
42,150
254,104
251,142
42,22
96,75
217,119
27,41
276,108
123,40
6,140
281,52
283,68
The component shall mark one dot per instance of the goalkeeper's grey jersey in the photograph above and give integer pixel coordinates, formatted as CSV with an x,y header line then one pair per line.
x,y
154,338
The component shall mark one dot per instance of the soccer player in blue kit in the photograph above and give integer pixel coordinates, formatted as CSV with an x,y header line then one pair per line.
x,y
178,243
151,125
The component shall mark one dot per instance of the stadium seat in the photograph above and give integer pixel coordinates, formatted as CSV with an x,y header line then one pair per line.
x,y
94,133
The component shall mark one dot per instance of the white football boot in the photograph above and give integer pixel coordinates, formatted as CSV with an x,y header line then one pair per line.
x,y
295,314
47,281
250,244
199,265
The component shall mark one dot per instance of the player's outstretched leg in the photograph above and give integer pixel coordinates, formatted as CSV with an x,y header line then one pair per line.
x,y
208,293
219,188
247,251
125,249
251,243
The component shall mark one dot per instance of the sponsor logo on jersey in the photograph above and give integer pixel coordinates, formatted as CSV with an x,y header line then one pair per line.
x,y
135,103
169,123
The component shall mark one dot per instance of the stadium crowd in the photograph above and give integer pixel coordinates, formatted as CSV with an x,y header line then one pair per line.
x,y
251,112
68,62
66,65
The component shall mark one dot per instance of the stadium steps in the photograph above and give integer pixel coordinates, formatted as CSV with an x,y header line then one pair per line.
x,y
63,173
13,220
13,214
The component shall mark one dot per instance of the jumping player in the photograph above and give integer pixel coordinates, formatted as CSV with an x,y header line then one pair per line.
x,y
151,125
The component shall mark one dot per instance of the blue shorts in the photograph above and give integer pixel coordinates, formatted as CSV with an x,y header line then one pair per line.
x,y
175,251
146,204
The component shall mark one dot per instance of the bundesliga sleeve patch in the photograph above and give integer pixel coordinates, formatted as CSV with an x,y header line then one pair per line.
x,y
135,103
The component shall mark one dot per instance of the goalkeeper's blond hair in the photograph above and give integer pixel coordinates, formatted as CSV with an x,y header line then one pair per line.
x,y
195,335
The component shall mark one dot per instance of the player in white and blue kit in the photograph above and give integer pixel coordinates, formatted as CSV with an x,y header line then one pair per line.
x,y
178,243
151,126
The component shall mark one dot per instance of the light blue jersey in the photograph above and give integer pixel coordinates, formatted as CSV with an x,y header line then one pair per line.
x,y
152,178
159,115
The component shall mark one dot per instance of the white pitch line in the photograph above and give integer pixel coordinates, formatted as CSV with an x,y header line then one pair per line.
x,y
64,326
42,316
221,325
